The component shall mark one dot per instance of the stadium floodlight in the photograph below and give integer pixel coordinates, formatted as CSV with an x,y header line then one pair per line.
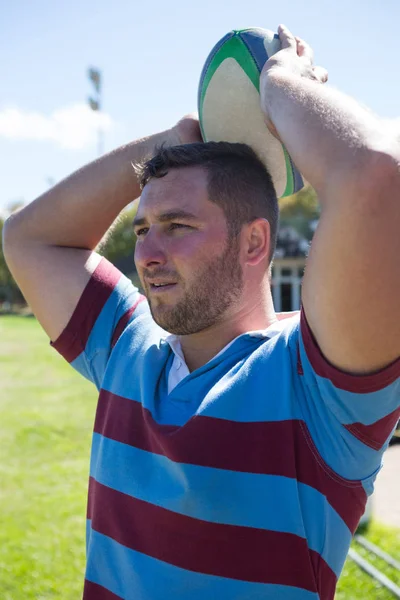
x,y
95,78
95,103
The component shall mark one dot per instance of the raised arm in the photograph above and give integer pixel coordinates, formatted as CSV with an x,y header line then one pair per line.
x,y
49,244
351,288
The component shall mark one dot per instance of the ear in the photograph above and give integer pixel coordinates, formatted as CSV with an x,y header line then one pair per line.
x,y
257,241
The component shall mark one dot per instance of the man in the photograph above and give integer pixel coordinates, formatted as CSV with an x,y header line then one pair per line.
x,y
233,452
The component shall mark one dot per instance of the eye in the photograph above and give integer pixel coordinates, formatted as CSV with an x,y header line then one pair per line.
x,y
178,226
141,231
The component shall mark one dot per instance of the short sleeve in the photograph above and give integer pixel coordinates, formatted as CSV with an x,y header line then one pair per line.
x,y
351,418
108,304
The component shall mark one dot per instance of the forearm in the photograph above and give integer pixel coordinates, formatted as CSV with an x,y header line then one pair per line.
x,y
80,209
329,136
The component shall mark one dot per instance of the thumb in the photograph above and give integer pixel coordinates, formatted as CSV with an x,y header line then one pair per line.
x,y
287,38
320,74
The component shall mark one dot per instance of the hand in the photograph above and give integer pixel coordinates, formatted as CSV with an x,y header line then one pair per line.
x,y
186,131
296,58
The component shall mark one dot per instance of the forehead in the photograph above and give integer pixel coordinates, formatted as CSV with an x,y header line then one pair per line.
x,y
181,189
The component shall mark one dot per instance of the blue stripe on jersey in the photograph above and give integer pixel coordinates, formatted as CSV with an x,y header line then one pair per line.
x,y
342,451
185,489
351,407
95,357
224,381
112,567
82,365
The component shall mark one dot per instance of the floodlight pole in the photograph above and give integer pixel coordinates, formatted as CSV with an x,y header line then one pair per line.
x,y
95,103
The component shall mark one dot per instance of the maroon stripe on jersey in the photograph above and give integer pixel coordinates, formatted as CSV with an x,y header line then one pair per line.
x,y
347,497
243,553
299,365
94,591
90,499
375,435
124,320
73,339
276,448
359,384
325,577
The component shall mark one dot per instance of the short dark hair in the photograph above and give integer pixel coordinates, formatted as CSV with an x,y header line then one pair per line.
x,y
237,180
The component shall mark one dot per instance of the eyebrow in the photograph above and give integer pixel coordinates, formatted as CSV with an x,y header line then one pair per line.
x,y
172,215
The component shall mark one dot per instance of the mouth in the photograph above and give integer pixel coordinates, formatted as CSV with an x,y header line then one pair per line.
x,y
160,288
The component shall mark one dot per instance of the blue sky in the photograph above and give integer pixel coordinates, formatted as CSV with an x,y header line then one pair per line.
x,y
151,55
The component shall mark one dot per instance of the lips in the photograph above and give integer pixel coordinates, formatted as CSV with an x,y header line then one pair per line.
x,y
159,281
160,285
157,285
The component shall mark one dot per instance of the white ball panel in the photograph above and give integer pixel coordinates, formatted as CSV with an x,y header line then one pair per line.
x,y
239,118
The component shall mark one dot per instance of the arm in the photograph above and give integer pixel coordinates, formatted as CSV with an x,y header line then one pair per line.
x,y
49,244
351,288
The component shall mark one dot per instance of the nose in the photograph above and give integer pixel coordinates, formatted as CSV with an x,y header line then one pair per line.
x,y
149,251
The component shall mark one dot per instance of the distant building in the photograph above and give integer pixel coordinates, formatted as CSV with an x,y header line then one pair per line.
x,y
288,268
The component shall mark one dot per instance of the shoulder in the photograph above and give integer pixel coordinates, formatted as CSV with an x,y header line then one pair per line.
x,y
286,326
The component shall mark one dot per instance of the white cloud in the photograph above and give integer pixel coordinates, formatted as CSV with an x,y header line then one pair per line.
x,y
74,127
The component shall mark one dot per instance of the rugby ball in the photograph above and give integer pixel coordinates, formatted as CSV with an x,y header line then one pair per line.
x,y
229,102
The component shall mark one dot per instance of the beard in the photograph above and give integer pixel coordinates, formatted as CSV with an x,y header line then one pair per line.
x,y
216,288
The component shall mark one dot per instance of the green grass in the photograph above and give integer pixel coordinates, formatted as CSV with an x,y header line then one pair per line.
x,y
47,412
354,584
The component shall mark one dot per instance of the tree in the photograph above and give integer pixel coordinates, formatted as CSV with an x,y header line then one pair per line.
x,y
300,211
9,291
118,245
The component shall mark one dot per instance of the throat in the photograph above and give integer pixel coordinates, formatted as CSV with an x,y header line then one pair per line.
x,y
197,353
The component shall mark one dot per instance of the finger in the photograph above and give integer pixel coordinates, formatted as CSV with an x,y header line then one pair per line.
x,y
304,50
287,38
320,74
192,115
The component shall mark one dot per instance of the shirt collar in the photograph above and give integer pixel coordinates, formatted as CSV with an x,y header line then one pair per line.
x,y
269,332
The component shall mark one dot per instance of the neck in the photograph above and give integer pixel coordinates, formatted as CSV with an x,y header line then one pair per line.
x,y
199,348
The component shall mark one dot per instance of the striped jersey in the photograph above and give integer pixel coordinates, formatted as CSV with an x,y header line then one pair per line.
x,y
245,481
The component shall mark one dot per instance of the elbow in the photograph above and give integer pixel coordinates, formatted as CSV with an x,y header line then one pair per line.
x,y
371,183
7,233
376,181
11,235
382,178
382,162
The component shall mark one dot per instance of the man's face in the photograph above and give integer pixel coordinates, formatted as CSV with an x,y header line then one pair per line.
x,y
188,267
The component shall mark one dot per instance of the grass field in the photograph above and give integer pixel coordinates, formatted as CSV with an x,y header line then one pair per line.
x,y
47,413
